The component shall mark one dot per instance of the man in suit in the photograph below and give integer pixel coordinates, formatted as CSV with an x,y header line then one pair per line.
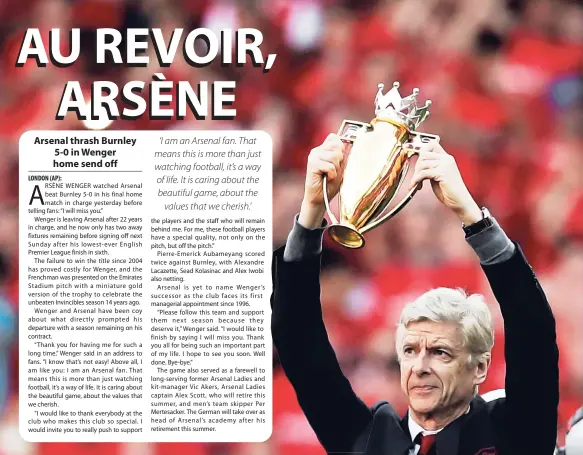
x,y
444,338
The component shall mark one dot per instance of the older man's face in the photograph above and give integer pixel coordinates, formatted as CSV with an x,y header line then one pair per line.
x,y
435,375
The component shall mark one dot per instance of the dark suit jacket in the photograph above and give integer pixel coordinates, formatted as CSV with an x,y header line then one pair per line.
x,y
524,422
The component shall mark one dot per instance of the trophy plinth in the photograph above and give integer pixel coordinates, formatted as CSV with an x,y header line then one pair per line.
x,y
376,165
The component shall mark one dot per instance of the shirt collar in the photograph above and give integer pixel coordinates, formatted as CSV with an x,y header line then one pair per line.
x,y
415,429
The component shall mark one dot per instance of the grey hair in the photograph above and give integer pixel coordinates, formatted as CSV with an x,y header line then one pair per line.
x,y
453,305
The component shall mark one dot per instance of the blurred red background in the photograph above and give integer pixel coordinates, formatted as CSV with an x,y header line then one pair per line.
x,y
506,82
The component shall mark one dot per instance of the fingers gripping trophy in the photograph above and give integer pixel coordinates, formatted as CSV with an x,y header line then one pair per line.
x,y
376,165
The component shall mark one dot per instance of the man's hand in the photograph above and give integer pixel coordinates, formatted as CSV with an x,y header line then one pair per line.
x,y
325,160
446,181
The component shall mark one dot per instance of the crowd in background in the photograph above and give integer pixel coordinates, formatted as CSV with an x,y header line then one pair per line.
x,y
506,81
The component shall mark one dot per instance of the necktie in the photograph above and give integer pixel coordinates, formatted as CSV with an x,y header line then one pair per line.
x,y
426,442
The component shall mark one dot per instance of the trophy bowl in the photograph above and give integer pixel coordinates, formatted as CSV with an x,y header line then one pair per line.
x,y
376,165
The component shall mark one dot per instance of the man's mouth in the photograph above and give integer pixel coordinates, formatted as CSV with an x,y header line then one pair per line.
x,y
423,388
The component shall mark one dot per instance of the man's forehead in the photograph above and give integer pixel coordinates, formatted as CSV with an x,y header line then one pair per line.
x,y
433,333
416,337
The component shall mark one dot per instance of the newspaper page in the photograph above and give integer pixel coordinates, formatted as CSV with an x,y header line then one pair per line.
x,y
145,279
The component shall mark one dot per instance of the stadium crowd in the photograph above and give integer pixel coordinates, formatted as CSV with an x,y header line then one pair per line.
x,y
506,80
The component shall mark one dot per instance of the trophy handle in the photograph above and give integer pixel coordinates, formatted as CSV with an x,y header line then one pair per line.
x,y
325,189
349,130
418,139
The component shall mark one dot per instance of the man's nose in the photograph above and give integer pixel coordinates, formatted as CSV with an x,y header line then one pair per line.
x,y
421,364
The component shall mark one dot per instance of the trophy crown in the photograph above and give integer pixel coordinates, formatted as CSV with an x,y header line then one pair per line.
x,y
407,110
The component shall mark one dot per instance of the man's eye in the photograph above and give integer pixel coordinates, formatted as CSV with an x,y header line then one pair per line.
x,y
408,351
441,353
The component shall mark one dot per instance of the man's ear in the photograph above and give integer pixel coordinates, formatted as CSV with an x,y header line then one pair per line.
x,y
482,367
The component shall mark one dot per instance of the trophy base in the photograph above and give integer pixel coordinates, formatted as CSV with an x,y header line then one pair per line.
x,y
346,236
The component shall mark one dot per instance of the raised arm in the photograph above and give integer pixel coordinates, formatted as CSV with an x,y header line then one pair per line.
x,y
336,414
527,418
532,360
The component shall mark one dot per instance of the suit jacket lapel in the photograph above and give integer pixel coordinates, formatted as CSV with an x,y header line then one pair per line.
x,y
388,437
447,440
405,424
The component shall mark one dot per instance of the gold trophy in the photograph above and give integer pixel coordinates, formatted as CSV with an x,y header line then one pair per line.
x,y
376,165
